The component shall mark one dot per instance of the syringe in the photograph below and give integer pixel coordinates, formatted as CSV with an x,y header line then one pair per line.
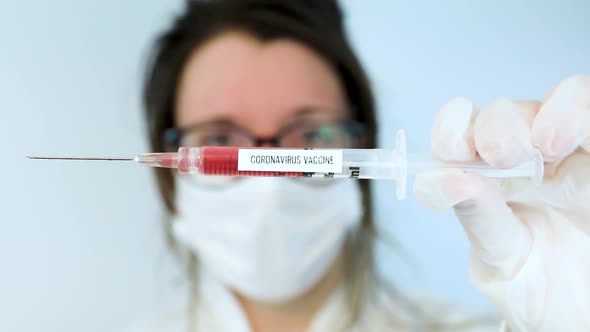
x,y
390,164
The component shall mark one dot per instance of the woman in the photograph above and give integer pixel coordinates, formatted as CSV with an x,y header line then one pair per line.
x,y
268,254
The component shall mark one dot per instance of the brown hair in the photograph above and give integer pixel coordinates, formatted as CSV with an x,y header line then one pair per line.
x,y
318,24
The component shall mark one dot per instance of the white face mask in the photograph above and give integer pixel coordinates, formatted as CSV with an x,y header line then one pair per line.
x,y
270,239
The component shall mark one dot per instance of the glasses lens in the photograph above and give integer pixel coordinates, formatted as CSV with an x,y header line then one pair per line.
x,y
215,134
320,135
311,133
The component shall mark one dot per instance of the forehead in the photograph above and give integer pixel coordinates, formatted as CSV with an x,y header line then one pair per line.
x,y
240,78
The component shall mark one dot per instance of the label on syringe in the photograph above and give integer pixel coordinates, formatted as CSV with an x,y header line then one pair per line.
x,y
272,160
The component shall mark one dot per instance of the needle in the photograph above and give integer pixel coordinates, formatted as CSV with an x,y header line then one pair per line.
x,y
81,158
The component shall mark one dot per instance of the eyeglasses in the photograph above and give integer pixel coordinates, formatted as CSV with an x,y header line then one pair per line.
x,y
307,133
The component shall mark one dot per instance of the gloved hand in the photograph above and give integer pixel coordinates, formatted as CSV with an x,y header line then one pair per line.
x,y
530,246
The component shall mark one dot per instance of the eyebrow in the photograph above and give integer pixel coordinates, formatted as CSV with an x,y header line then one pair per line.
x,y
306,111
221,120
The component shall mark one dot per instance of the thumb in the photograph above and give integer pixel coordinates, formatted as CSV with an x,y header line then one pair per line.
x,y
499,240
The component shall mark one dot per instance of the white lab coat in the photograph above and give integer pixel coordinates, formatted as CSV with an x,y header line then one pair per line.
x,y
218,310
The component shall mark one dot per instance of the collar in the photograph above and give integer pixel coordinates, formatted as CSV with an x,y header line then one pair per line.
x,y
219,310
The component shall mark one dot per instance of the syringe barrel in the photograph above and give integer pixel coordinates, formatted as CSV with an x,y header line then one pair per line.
x,y
375,163
388,164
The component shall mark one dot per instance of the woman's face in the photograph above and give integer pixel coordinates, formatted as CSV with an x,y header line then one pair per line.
x,y
261,87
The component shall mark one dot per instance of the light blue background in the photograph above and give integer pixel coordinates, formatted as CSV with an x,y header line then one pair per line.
x,y
80,244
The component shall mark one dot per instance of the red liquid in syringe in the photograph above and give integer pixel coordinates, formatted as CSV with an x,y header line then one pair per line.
x,y
214,160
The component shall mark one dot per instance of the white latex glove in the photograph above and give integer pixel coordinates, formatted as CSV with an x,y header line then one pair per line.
x,y
530,246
